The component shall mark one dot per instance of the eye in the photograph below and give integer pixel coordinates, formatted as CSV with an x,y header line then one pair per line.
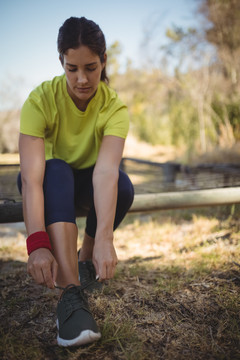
x,y
91,69
72,70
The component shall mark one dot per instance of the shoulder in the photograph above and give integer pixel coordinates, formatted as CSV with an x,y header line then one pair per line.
x,y
109,98
45,95
47,88
114,117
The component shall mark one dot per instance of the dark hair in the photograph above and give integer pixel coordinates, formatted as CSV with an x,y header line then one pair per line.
x,y
80,31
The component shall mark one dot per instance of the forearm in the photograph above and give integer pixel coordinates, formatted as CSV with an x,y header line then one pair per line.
x,y
33,207
105,200
32,161
105,185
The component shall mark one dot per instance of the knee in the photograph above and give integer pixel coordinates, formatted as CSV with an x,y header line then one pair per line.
x,y
57,173
57,167
125,189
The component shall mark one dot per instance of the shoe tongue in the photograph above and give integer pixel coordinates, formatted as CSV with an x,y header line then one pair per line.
x,y
75,295
83,263
72,302
68,293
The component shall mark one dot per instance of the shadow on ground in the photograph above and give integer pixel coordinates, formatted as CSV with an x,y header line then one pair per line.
x,y
139,314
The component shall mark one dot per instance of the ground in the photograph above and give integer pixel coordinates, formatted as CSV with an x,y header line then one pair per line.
x,y
175,295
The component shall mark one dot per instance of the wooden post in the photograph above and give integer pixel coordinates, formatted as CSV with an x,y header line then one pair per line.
x,y
12,211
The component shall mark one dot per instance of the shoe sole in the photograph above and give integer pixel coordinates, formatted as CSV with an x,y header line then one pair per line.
x,y
85,337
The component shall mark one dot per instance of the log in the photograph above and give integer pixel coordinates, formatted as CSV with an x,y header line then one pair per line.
x,y
12,211
186,199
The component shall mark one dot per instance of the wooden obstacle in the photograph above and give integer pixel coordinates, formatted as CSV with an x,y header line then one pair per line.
x,y
11,211
164,196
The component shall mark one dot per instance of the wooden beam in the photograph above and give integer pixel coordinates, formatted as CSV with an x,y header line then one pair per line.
x,y
186,199
12,211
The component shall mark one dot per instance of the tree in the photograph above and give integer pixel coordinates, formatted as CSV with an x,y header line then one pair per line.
x,y
113,65
212,76
224,34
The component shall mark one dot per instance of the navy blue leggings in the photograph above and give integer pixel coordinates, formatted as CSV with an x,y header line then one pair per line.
x,y
66,189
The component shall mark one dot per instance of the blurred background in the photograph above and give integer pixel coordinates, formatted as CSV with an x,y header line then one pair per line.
x,y
174,63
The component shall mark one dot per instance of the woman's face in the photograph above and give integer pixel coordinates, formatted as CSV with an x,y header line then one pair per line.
x,y
83,73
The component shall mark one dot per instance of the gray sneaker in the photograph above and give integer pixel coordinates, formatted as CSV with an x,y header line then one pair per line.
x,y
87,276
75,323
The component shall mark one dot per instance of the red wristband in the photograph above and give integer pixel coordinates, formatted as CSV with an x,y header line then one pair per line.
x,y
37,240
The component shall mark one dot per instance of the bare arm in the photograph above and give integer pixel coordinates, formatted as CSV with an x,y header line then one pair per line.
x,y
41,263
32,160
105,183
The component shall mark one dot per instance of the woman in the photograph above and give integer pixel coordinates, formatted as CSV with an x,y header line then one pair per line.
x,y
72,135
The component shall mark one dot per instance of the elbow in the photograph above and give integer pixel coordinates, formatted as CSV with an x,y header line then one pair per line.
x,y
110,175
29,183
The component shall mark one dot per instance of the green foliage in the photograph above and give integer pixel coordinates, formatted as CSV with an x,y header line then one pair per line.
x,y
113,52
183,121
144,93
197,106
177,34
227,111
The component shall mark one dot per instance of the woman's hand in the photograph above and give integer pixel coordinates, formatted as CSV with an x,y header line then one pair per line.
x,y
104,259
42,266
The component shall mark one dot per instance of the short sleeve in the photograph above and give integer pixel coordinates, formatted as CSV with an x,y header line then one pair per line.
x,y
118,123
32,120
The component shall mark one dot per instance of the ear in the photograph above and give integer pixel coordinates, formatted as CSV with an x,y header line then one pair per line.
x,y
104,60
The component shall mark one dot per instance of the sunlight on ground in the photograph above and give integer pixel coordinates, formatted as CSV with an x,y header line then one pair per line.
x,y
177,279
143,150
175,243
12,242
158,237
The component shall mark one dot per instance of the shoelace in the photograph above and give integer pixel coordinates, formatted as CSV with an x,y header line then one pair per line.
x,y
80,287
74,299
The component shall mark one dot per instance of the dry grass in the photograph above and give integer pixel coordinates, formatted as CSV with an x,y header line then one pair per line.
x,y
175,294
225,154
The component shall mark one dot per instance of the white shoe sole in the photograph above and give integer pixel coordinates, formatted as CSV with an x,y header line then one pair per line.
x,y
86,337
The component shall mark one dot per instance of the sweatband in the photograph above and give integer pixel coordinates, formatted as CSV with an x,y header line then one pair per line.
x,y
37,240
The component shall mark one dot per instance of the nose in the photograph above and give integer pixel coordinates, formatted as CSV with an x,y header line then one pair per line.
x,y
81,77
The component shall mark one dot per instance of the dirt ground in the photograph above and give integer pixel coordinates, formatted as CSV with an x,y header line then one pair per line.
x,y
175,295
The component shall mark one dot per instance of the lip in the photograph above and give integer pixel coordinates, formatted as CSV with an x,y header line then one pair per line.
x,y
86,89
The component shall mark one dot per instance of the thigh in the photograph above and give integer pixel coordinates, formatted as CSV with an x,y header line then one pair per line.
x,y
83,187
58,188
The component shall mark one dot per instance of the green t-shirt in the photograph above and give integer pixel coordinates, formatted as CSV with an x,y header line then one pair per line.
x,y
70,134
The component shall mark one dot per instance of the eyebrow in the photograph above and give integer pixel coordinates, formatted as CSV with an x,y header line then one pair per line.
x,y
93,63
